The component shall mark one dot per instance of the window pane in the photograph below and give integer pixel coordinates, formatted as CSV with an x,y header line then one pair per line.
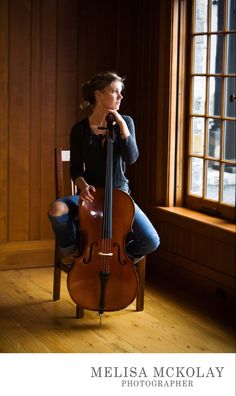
x,y
197,136
216,53
217,15
231,53
200,48
212,178
200,20
229,141
213,138
231,20
199,89
230,92
229,184
196,166
215,96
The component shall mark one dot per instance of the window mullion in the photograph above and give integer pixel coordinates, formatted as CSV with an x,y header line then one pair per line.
x,y
223,114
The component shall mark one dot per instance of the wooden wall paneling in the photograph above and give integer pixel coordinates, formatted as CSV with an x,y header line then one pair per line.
x,y
67,64
126,52
19,116
212,267
102,35
35,121
96,42
4,120
162,108
154,60
26,254
183,267
214,254
83,72
146,101
195,250
141,98
48,139
97,38
127,66
207,252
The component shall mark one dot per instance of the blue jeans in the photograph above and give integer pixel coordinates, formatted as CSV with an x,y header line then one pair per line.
x,y
142,241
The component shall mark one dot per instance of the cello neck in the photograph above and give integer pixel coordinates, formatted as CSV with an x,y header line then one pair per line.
x,y
107,210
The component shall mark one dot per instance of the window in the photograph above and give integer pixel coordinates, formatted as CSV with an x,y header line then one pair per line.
x,y
211,181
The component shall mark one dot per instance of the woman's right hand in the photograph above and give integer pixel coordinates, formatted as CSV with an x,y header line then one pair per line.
x,y
85,193
85,189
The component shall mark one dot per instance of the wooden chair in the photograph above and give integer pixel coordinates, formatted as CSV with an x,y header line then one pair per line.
x,y
65,186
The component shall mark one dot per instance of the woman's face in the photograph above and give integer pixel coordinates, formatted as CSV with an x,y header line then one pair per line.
x,y
110,97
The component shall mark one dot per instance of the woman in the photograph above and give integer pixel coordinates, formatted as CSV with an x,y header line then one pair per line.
x,y
103,94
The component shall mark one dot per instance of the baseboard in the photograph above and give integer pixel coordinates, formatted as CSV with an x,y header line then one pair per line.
x,y
26,254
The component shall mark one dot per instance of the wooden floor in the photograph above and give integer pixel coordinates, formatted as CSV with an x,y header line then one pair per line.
x,y
171,322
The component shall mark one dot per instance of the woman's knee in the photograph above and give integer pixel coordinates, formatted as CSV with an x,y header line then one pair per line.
x,y
154,242
58,208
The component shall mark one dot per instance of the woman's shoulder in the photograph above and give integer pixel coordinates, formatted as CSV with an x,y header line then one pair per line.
x,y
80,126
81,123
129,121
127,118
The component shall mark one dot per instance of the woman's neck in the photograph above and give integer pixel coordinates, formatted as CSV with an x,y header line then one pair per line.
x,y
98,120
98,117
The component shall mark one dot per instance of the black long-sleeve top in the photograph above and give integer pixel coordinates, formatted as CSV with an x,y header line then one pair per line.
x,y
88,154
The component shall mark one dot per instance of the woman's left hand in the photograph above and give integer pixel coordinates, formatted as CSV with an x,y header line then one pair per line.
x,y
117,116
124,131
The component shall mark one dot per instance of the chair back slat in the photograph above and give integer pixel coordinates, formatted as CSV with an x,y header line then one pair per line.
x,y
63,157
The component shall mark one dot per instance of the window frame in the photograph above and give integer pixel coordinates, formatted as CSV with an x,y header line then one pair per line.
x,y
205,205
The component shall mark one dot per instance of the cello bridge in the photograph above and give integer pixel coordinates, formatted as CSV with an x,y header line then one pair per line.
x,y
105,254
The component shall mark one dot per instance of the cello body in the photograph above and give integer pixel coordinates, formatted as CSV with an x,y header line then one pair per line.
x,y
103,278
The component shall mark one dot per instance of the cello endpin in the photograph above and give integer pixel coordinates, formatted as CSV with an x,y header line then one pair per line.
x,y
100,320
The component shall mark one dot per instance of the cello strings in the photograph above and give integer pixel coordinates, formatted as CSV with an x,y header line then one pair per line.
x,y
107,210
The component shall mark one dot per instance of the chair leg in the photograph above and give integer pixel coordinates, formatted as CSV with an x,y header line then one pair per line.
x,y
56,283
141,267
57,274
79,312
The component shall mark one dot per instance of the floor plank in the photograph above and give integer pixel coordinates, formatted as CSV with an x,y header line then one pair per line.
x,y
30,321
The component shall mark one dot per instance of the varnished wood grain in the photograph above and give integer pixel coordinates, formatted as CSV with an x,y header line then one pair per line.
x,y
48,131
36,155
203,249
25,254
45,57
19,119
67,70
31,322
4,121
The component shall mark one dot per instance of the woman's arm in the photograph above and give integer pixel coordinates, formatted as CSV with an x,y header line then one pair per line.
x,y
128,145
76,156
77,165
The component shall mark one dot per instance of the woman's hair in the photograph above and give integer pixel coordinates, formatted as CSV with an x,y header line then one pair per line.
x,y
97,83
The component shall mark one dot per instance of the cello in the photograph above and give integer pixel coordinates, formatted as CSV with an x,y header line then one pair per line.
x,y
103,277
